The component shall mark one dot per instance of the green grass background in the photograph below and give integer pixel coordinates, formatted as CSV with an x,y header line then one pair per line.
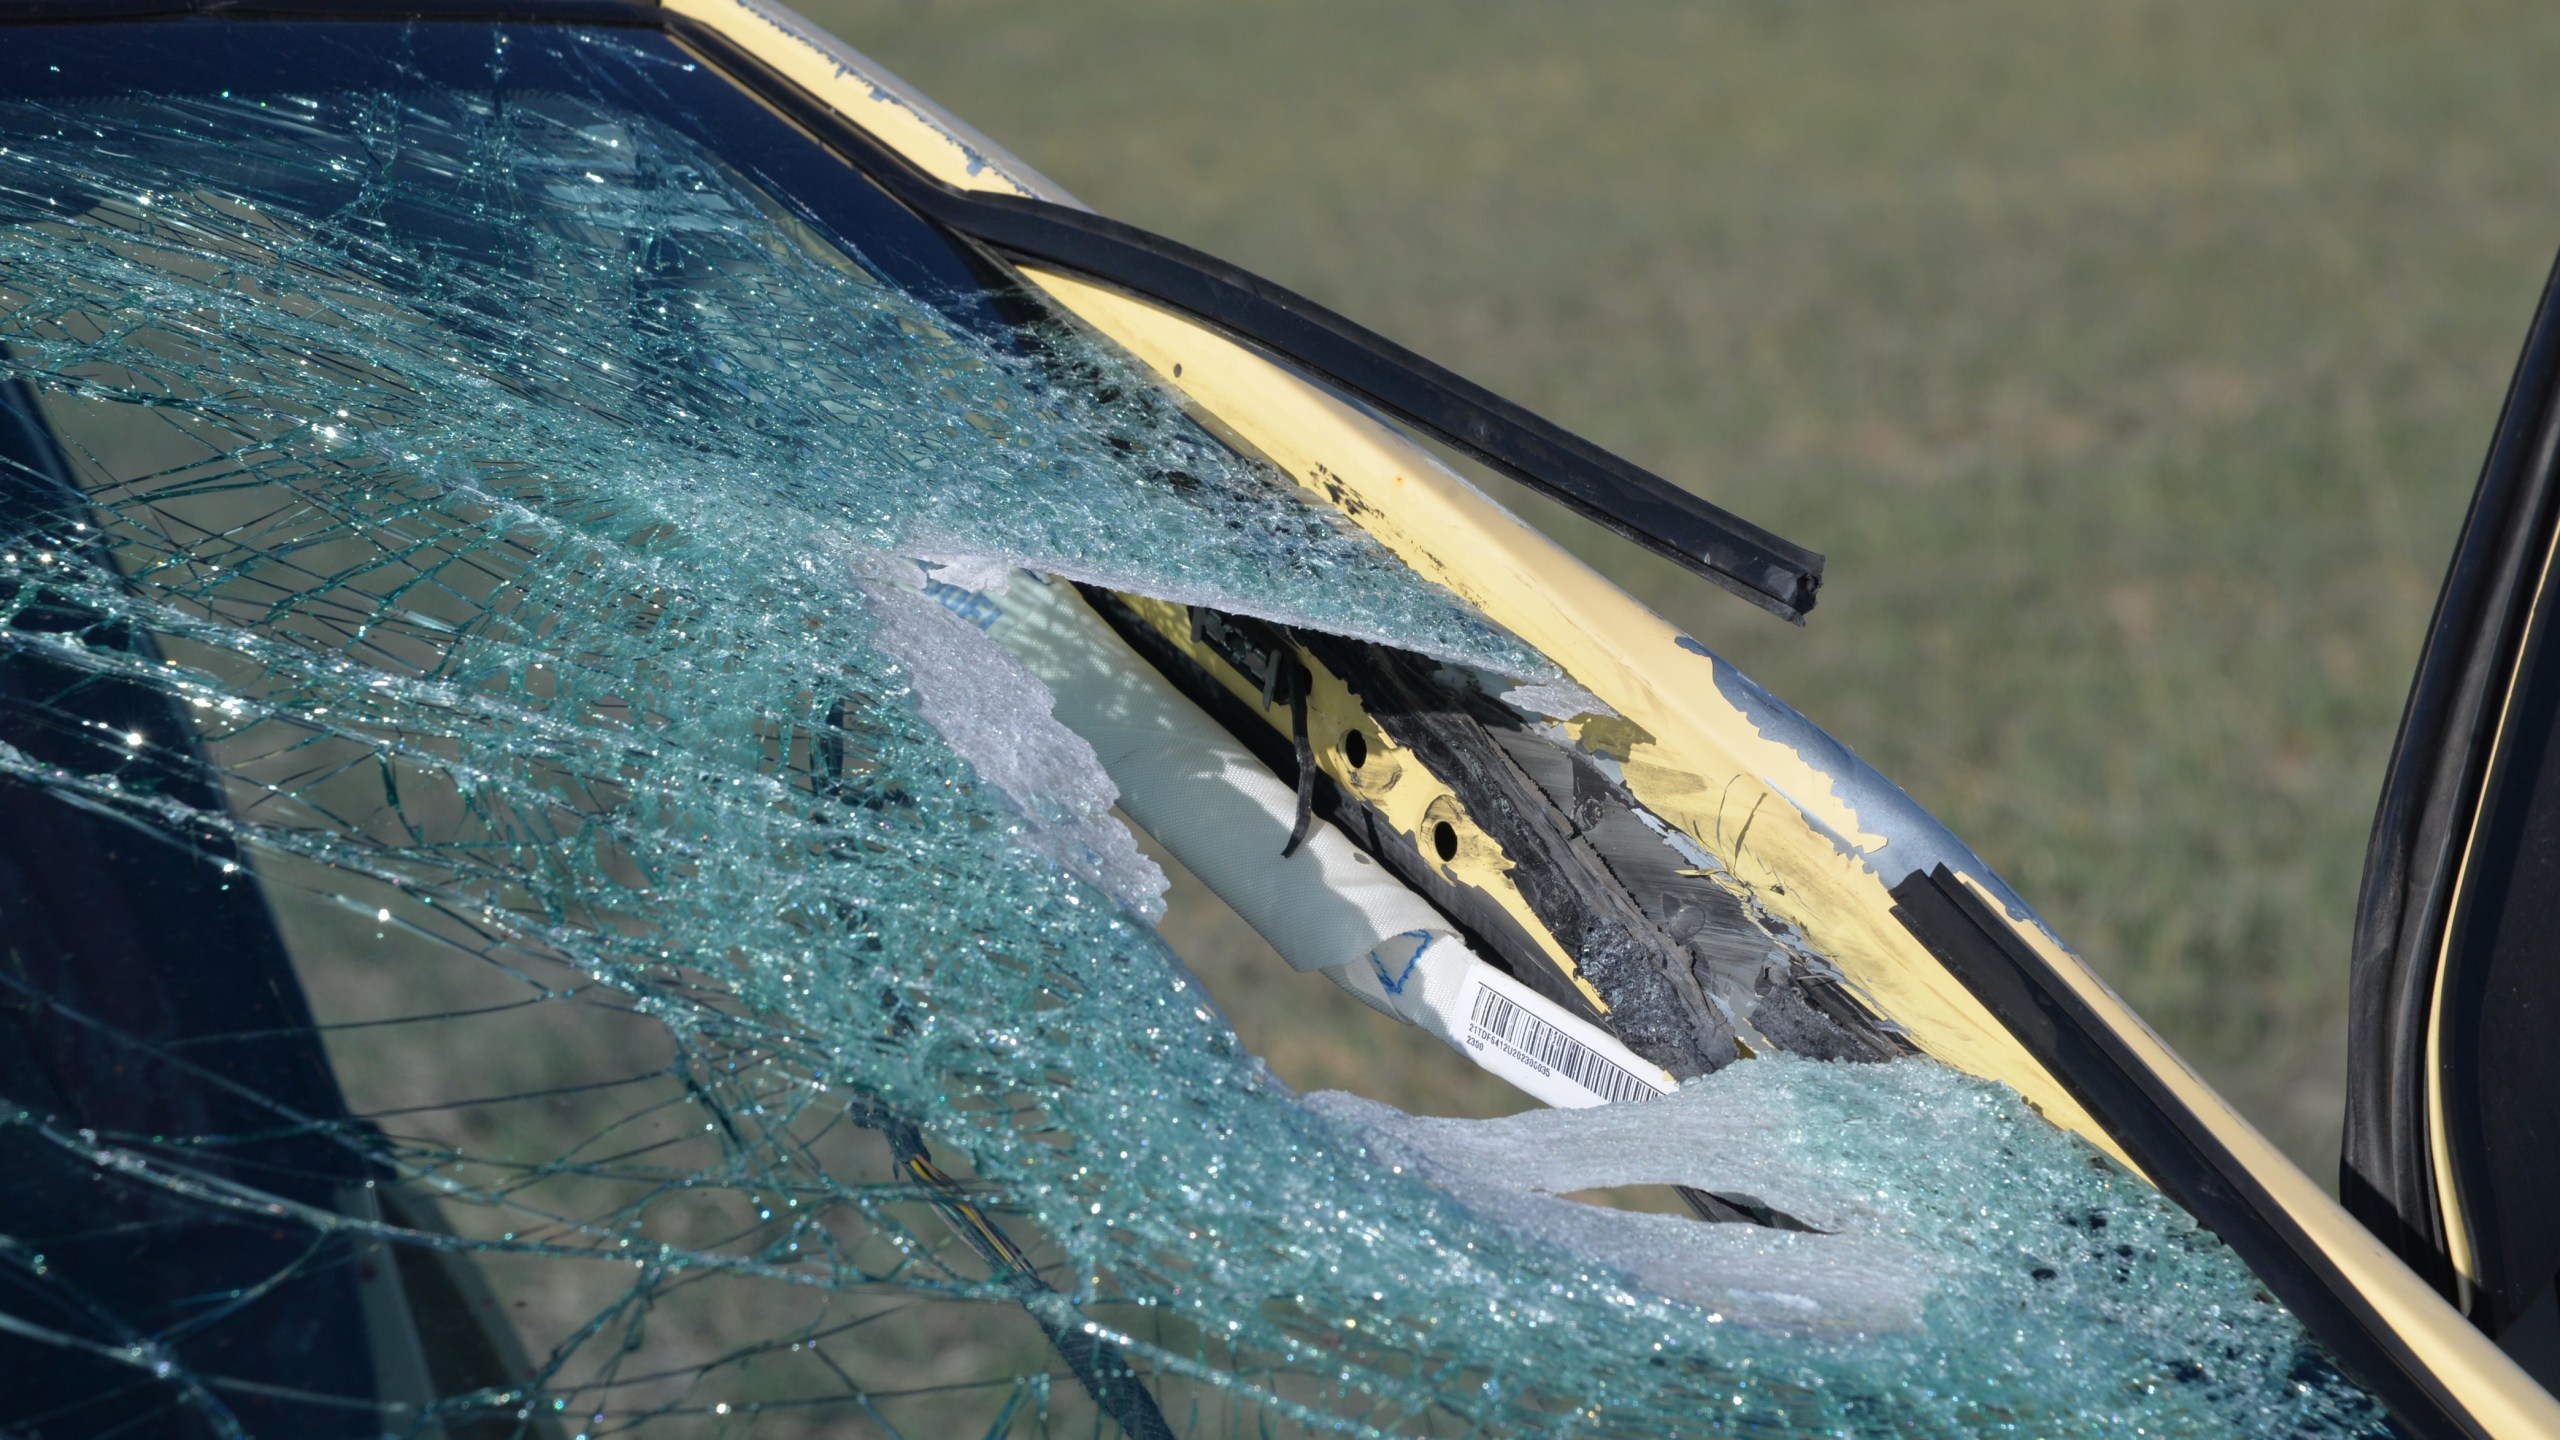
x,y
2131,361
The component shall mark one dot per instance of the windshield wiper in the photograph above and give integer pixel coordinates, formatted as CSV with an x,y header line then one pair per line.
x,y
1765,569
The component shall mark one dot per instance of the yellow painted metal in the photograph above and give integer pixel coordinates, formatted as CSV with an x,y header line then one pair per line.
x,y
1391,780
805,55
1693,757
2500,1396
2450,1215
1756,805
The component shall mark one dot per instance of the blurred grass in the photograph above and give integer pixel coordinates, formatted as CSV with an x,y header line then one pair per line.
x,y
2132,363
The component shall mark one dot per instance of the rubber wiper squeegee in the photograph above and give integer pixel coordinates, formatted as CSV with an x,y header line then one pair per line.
x,y
1603,486
1765,569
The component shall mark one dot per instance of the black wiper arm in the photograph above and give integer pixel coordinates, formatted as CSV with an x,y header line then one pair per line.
x,y
1608,488
1763,568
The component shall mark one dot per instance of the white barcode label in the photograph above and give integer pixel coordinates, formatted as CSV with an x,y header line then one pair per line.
x,y
1497,1020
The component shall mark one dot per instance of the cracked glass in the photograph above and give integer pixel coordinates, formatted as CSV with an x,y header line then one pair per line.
x,y
521,922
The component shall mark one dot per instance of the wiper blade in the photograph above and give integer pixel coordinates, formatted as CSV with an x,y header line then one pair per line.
x,y
1763,568
1600,484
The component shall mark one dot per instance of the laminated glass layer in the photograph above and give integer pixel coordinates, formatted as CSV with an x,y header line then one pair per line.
x,y
519,921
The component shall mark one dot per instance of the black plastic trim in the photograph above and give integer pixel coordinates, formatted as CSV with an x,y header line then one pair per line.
x,y
584,12
1771,572
2173,1146
2430,798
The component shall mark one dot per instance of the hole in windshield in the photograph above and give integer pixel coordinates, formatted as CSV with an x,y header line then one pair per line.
x,y
535,908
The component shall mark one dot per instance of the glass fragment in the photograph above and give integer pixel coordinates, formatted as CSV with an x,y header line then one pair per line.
x,y
505,937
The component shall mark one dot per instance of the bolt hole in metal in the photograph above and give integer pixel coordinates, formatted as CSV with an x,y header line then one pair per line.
x,y
1444,839
1355,751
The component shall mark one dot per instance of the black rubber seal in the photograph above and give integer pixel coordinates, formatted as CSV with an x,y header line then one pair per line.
x,y
2136,1107
1614,492
1770,572
2431,795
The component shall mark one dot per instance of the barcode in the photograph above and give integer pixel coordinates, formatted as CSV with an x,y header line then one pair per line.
x,y
1521,1032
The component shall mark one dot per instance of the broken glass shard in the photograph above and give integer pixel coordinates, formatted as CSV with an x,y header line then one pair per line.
x,y
519,923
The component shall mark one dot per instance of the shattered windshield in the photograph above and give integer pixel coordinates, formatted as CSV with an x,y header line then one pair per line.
x,y
522,920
